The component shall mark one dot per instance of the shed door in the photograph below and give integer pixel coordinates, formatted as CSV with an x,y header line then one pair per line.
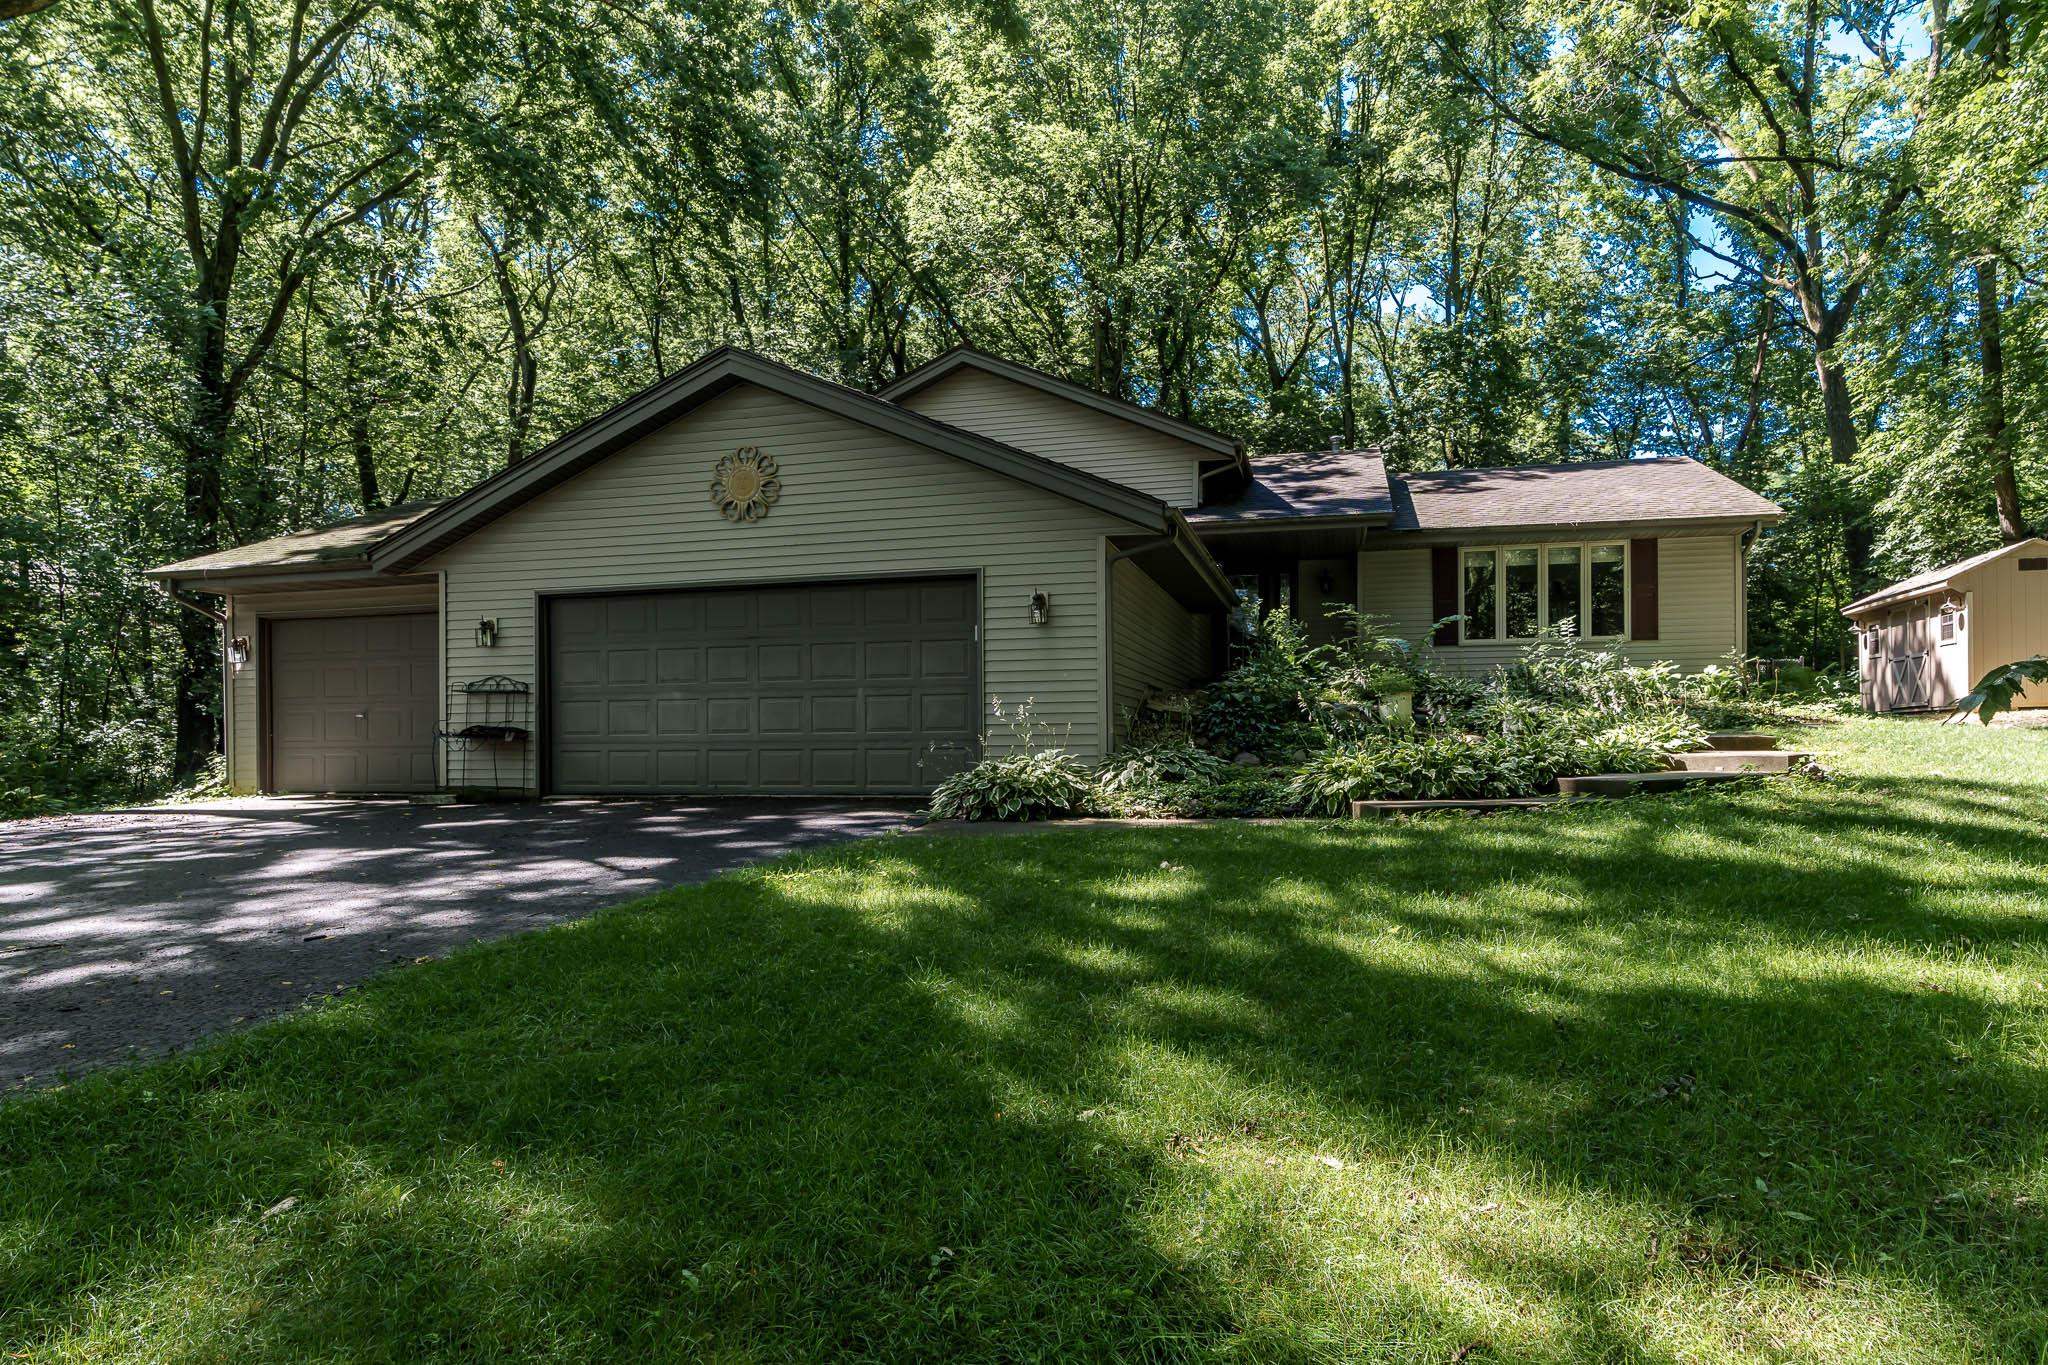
x,y
1909,664
827,688
352,703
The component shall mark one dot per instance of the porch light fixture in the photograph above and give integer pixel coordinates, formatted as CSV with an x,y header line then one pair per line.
x,y
487,632
238,650
1041,608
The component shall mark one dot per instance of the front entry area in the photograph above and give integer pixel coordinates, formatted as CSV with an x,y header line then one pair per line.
x,y
867,687
351,703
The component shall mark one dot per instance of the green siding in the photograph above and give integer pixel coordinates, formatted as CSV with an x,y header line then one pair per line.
x,y
855,503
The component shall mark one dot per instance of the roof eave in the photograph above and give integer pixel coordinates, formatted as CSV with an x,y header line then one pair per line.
x,y
1502,532
326,568
717,372
1283,522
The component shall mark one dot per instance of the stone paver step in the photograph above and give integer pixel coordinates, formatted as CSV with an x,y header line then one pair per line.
x,y
1628,784
1740,760
1741,741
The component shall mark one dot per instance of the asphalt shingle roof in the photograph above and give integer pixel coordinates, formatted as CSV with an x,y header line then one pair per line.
x,y
1592,493
342,542
1307,483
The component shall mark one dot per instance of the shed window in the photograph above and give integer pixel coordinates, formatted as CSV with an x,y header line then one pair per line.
x,y
1875,635
1948,623
2033,565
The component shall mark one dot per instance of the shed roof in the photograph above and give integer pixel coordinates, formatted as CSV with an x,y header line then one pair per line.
x,y
1949,577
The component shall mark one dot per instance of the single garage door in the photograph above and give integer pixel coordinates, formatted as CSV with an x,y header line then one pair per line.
x,y
839,687
352,703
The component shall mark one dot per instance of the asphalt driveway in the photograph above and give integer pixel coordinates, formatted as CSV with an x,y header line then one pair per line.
x,y
134,933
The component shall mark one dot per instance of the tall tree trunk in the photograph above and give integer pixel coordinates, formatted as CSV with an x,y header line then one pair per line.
x,y
2012,527
1857,538
195,720
366,460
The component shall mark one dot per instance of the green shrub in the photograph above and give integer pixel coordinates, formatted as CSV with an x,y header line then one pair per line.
x,y
1524,757
1156,763
1235,791
1261,706
1032,785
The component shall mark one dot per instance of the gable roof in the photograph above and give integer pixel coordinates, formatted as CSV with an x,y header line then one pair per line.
x,y
1668,491
338,547
967,357
1306,485
714,374
1947,578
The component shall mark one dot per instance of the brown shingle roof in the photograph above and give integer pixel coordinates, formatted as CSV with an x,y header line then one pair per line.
x,y
343,544
1307,483
1939,580
1593,493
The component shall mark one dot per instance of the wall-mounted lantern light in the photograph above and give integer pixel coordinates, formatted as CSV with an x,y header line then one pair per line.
x,y
1041,608
487,632
238,650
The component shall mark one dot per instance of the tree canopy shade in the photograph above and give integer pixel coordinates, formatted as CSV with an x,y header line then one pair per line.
x,y
270,263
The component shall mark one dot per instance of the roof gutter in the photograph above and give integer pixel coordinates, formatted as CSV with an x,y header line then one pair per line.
x,y
191,603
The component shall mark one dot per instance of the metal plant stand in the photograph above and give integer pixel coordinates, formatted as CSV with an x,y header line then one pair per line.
x,y
489,726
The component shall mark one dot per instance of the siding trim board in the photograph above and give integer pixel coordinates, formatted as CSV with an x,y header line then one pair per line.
x,y
964,357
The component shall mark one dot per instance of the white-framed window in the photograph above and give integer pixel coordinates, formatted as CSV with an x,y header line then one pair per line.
x,y
1517,592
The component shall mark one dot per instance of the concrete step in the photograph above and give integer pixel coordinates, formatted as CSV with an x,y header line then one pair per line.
x,y
1629,784
1740,741
1740,760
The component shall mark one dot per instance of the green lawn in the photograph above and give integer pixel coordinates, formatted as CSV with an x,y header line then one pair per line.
x,y
1751,1074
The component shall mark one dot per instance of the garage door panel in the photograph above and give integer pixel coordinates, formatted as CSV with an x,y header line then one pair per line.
x,y
887,713
729,664
679,717
835,715
782,715
780,663
890,606
839,660
628,717
835,688
352,703
835,609
684,665
626,665
729,715
885,659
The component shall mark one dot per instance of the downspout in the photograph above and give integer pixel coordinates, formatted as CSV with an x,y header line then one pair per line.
x,y
1742,544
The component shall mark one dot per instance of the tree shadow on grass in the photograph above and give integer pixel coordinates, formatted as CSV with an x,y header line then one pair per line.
x,y
1638,1082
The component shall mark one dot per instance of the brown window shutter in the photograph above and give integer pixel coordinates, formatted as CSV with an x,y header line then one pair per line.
x,y
1642,604
1443,591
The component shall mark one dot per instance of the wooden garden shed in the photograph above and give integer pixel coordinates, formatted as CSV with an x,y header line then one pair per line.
x,y
1927,640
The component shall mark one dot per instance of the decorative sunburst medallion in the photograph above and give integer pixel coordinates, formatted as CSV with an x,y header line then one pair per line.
x,y
744,485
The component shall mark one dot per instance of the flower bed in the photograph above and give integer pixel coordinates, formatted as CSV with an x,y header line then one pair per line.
x,y
1297,729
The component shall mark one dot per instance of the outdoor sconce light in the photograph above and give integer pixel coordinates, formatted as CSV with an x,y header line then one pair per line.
x,y
1041,608
487,632
238,650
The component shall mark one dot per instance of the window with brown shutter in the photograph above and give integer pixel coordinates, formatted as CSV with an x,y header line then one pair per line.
x,y
1642,587
1443,591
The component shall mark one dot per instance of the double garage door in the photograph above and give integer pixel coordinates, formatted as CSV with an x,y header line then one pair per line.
x,y
835,688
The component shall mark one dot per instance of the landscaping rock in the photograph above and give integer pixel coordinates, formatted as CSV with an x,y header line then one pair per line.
x,y
1248,760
